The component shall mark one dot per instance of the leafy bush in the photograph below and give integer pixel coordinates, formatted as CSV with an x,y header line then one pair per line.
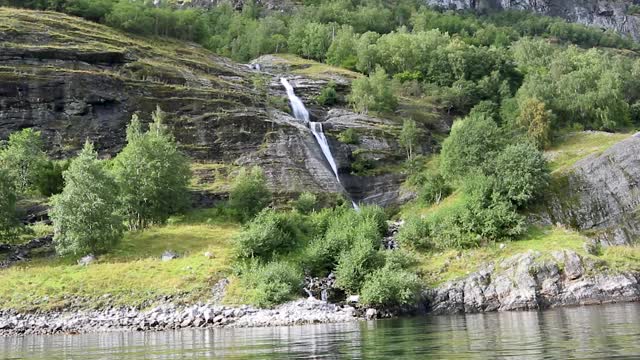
x,y
472,142
306,203
271,284
415,233
50,181
269,233
7,205
373,93
376,214
249,193
349,136
521,173
434,189
390,287
328,95
355,263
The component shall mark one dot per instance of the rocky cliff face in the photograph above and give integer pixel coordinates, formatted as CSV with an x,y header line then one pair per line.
x,y
530,281
606,14
599,195
75,80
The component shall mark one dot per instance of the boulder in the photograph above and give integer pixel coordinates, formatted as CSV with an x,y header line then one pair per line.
x,y
87,260
169,255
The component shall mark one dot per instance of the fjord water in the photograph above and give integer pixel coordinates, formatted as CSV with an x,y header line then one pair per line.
x,y
594,332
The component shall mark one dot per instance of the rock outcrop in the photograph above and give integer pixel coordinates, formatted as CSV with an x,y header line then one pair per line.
x,y
529,281
599,195
605,14
75,80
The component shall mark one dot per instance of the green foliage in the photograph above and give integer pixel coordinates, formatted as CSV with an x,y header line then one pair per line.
x,y
415,234
388,286
471,143
268,234
249,193
409,137
434,189
271,284
152,174
50,179
373,93
85,215
349,136
328,95
341,52
306,203
536,120
7,205
521,172
355,263
24,159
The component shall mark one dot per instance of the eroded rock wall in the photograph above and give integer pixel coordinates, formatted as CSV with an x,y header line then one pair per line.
x,y
600,13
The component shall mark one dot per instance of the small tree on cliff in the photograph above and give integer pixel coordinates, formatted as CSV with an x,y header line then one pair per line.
x,y
409,137
152,174
85,215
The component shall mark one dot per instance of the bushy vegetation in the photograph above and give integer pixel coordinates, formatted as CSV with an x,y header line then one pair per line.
x,y
270,284
24,159
152,174
85,214
249,194
306,203
7,205
270,233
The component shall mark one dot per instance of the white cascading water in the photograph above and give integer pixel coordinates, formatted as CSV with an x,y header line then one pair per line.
x,y
301,113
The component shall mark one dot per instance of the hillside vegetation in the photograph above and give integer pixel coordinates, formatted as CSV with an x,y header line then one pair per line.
x,y
494,108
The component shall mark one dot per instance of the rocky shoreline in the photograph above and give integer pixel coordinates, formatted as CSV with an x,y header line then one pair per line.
x,y
533,281
171,317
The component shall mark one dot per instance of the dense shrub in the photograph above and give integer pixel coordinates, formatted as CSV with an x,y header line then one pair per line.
x,y
373,93
328,95
271,284
306,203
415,233
50,180
269,233
24,159
7,205
249,193
355,263
390,287
349,136
434,189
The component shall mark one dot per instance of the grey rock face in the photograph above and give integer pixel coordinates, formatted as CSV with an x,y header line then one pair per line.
x,y
600,195
605,14
527,281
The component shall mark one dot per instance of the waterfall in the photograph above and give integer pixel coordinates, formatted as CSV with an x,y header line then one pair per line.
x,y
301,113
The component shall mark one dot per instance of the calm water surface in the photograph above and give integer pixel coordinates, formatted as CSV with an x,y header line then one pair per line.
x,y
595,332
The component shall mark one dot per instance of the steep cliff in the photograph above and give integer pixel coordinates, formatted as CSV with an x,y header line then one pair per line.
x,y
599,195
606,14
77,80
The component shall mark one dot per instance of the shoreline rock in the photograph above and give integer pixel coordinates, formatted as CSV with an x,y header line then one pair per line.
x,y
529,281
171,317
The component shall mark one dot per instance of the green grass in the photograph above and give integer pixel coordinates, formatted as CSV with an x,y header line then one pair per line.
x,y
132,274
313,69
576,146
213,177
437,268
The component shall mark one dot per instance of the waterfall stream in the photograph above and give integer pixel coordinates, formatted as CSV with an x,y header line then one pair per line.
x,y
301,113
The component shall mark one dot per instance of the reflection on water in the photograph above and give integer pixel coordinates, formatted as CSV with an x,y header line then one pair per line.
x,y
575,333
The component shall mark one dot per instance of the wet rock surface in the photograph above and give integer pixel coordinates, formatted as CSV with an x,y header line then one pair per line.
x,y
170,317
19,253
529,281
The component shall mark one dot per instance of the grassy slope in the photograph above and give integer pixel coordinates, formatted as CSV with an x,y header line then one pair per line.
x,y
132,274
437,268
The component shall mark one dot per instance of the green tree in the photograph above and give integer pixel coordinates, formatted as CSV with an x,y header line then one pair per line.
x,y
409,137
85,215
471,143
373,93
249,194
341,52
7,204
535,120
152,174
24,159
